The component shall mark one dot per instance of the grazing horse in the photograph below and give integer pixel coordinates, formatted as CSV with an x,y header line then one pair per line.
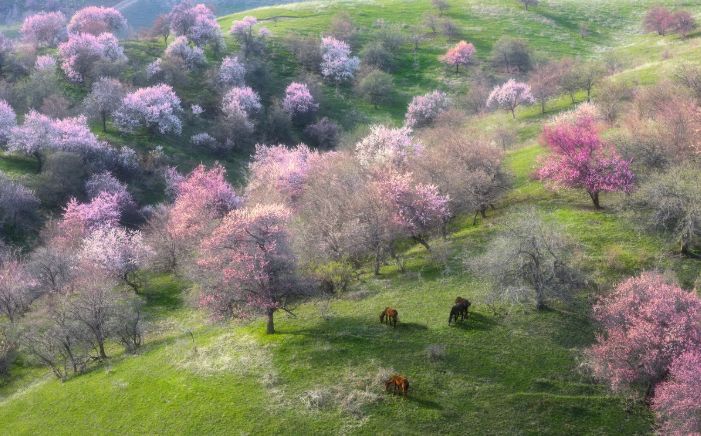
x,y
398,384
389,316
459,310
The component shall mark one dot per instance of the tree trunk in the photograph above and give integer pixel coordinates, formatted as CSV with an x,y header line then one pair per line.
x,y
131,283
513,112
595,199
104,122
270,329
422,241
101,347
542,107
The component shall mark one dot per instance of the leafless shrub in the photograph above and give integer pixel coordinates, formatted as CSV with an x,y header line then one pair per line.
x,y
435,352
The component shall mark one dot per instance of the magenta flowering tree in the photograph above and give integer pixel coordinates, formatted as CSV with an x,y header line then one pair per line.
x,y
44,28
201,197
155,107
579,159
97,20
117,252
181,50
17,288
424,109
646,324
197,22
417,209
389,147
251,264
278,173
80,53
8,120
232,72
298,100
337,64
510,95
459,55
677,401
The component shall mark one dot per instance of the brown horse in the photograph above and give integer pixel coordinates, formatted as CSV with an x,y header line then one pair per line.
x,y
398,384
459,310
390,316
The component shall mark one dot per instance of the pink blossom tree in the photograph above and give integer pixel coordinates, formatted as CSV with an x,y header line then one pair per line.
x,y
197,22
80,53
16,289
251,263
658,19
243,99
104,99
79,219
389,147
424,109
117,252
298,100
232,72
201,197
646,323
337,64
105,182
45,64
417,209
96,20
8,121
579,159
677,401
683,23
181,51
278,173
44,28
460,54
155,107
510,95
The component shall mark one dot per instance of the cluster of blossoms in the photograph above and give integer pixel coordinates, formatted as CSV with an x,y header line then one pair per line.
x,y
107,183
181,50
97,20
387,147
153,107
196,22
232,72
298,99
8,120
337,64
82,50
204,140
240,103
510,95
154,69
196,110
45,63
79,219
44,28
461,54
424,109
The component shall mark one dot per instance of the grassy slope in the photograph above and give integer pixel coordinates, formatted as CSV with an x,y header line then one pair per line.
x,y
514,374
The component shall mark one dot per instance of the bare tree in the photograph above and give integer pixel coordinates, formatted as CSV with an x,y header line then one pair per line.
x,y
441,6
531,262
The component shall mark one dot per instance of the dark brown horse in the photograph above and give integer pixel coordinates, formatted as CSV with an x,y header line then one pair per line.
x,y
398,384
390,316
459,310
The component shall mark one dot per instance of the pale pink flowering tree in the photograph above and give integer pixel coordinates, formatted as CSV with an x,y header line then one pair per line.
x,y
249,40
203,196
79,54
646,323
677,401
16,289
44,28
510,95
385,146
251,264
243,28
107,183
337,64
580,159
278,173
417,209
298,100
460,54
45,63
197,22
8,120
155,107
232,72
117,252
181,50
424,109
241,102
79,219
97,20
154,69
658,19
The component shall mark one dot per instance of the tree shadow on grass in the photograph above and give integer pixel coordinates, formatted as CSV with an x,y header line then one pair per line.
x,y
476,321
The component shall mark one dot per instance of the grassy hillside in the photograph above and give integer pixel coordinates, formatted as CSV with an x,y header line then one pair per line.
x,y
499,373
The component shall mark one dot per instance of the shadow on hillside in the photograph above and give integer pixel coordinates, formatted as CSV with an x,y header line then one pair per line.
x,y
476,321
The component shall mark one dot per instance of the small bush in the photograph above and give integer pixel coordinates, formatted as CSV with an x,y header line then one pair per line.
x,y
435,352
